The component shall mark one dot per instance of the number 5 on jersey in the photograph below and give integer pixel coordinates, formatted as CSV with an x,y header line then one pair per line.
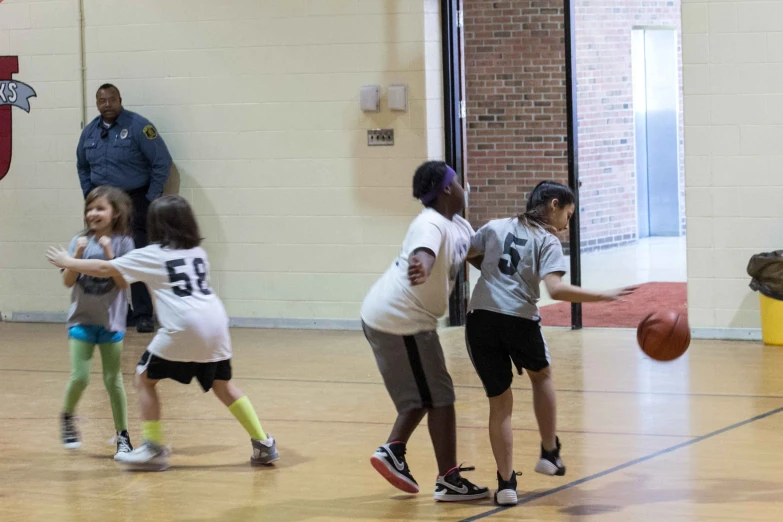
x,y
183,287
512,253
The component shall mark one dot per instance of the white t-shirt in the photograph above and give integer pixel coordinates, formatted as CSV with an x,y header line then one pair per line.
x,y
516,258
193,321
393,305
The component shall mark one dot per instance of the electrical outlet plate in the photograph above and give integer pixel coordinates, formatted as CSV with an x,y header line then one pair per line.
x,y
380,137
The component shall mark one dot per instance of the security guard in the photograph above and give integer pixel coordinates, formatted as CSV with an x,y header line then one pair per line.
x,y
122,149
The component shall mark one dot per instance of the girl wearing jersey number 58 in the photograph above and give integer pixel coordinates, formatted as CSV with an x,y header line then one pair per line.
x,y
193,340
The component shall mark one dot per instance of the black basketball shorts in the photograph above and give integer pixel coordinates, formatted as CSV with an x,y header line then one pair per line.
x,y
497,341
183,372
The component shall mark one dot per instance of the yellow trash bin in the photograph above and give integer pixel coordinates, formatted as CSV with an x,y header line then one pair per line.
x,y
771,320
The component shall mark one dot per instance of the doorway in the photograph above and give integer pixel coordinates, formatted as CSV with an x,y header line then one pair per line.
x,y
656,125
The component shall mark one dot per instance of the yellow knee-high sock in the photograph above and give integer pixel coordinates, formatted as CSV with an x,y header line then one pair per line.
x,y
246,415
151,431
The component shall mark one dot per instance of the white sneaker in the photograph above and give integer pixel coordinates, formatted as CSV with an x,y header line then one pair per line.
x,y
264,452
148,457
506,494
550,462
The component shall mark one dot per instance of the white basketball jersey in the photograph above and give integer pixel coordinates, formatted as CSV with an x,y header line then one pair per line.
x,y
194,323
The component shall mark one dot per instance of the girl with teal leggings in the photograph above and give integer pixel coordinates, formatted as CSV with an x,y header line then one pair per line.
x,y
98,311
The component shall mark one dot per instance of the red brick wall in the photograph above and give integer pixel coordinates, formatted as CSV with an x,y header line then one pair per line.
x,y
515,100
516,108
605,111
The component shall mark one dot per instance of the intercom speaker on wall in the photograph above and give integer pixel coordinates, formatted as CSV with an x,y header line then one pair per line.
x,y
398,97
370,98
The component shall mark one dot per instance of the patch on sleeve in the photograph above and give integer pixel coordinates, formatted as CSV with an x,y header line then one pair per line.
x,y
150,132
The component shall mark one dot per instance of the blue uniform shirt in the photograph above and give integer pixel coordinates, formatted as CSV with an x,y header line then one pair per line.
x,y
129,156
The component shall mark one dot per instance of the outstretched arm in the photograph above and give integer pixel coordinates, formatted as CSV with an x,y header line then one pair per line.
x,y
561,291
59,257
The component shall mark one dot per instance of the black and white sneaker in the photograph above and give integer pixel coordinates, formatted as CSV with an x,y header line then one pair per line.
x,y
506,495
389,461
68,432
452,487
550,462
123,442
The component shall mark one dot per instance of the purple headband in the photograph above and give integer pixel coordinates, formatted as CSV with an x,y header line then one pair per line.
x,y
433,194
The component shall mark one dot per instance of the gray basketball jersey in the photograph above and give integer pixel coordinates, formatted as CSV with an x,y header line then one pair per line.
x,y
516,258
97,300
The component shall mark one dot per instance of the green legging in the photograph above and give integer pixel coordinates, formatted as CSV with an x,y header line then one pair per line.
x,y
81,355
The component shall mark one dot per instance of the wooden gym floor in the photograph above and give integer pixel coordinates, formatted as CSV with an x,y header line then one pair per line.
x,y
697,439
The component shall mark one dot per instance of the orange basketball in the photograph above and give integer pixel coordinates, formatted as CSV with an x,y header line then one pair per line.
x,y
664,336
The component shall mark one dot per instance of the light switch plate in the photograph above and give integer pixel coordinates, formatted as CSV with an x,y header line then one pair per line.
x,y
380,137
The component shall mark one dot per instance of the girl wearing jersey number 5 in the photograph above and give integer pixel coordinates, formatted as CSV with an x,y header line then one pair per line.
x,y
503,330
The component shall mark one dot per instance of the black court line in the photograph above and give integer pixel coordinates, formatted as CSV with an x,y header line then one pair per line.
x,y
459,386
535,496
364,423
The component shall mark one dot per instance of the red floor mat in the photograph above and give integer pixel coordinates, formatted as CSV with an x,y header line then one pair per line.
x,y
650,297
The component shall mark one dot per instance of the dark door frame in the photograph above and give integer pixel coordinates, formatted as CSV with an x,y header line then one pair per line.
x,y
574,236
451,32
451,38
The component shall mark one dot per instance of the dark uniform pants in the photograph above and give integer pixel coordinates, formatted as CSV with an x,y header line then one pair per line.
x,y
140,296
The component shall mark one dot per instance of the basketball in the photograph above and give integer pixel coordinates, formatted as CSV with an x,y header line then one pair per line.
x,y
664,336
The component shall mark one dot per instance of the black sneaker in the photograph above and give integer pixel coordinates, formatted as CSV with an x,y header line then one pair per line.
x,y
454,488
550,462
389,461
68,432
129,319
145,325
506,495
123,442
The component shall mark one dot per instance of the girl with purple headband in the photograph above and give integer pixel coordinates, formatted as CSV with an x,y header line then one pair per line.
x,y
400,318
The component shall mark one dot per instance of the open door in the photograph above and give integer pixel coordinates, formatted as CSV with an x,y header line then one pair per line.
x,y
455,132
454,127
656,125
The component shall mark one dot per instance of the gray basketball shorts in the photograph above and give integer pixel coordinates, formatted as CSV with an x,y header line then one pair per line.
x,y
413,369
